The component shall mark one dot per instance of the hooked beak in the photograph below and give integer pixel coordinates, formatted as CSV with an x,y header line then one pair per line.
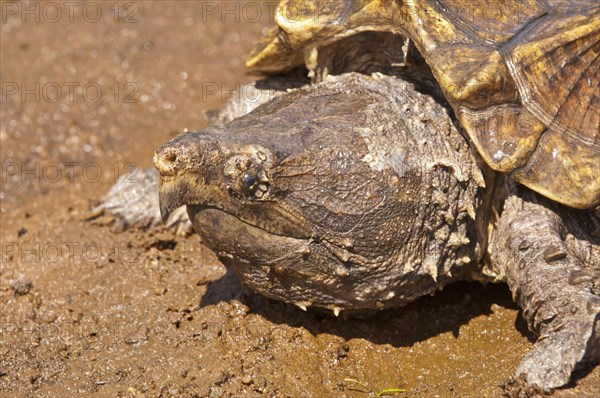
x,y
169,198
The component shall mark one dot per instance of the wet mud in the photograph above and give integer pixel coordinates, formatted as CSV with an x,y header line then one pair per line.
x,y
88,95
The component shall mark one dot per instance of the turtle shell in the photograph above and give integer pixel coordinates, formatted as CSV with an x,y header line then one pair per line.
x,y
523,76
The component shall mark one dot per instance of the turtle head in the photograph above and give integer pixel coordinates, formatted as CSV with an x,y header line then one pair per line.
x,y
296,215
319,198
208,173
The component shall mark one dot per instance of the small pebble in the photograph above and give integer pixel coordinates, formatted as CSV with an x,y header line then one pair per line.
x,y
247,379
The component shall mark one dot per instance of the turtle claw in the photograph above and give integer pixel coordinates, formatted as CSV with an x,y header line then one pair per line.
x,y
554,356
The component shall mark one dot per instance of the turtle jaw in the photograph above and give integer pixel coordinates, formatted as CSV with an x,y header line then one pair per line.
x,y
200,198
169,197
176,192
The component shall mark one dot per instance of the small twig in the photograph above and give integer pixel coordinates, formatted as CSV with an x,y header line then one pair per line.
x,y
390,391
386,391
363,385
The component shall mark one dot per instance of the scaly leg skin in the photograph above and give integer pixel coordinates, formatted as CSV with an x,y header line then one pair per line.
x,y
133,203
550,256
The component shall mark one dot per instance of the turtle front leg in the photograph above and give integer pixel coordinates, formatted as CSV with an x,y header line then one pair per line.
x,y
550,257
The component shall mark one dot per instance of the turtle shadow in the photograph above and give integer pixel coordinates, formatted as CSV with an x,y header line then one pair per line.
x,y
446,311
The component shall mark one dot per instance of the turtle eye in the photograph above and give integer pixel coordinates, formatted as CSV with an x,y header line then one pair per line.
x,y
252,184
248,180
245,178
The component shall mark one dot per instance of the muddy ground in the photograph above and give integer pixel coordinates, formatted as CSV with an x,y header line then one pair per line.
x,y
89,90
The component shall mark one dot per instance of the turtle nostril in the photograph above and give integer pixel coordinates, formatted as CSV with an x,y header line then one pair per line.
x,y
166,161
181,155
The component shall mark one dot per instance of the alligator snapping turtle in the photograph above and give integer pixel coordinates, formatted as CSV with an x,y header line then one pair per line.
x,y
359,192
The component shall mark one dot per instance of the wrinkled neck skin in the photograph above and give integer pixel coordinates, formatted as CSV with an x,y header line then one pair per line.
x,y
354,193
